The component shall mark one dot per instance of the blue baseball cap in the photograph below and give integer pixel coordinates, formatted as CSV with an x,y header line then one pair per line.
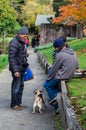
x,y
58,42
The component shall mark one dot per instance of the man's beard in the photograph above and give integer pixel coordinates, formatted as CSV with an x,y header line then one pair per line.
x,y
23,40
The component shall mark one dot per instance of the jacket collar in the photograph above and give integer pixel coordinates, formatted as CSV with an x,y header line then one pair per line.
x,y
19,39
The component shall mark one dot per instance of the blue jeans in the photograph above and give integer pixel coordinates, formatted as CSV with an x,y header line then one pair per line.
x,y
52,89
17,89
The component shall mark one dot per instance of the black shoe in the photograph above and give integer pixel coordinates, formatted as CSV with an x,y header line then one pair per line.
x,y
54,101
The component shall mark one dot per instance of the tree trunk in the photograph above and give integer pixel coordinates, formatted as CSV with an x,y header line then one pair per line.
x,y
79,31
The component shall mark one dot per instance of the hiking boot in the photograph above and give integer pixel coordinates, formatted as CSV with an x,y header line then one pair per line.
x,y
17,108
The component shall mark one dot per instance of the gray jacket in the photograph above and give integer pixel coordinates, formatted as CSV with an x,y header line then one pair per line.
x,y
65,65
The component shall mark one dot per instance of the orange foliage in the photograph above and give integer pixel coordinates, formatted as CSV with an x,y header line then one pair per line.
x,y
84,31
72,13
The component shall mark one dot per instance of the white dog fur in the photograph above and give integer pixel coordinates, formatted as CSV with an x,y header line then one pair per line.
x,y
38,101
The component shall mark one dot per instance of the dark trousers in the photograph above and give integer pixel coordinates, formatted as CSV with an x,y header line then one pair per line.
x,y
52,88
17,89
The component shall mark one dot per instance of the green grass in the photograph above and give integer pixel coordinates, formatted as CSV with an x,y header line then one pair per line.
x,y
58,122
78,44
82,60
48,54
3,61
76,87
46,46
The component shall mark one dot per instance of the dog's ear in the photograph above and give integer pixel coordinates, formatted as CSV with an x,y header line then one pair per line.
x,y
42,90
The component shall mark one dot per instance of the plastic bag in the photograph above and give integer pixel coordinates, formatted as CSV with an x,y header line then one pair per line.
x,y
28,75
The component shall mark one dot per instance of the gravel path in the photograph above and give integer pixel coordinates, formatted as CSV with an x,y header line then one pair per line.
x,y
25,120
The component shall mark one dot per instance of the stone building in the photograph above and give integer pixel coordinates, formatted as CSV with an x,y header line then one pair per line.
x,y
47,32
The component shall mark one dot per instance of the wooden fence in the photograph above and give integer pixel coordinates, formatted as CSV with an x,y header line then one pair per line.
x,y
68,118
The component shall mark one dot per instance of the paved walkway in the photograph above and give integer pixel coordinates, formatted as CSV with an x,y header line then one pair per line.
x,y
25,120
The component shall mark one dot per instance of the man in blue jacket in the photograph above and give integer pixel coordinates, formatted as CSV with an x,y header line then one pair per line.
x,y
63,69
17,65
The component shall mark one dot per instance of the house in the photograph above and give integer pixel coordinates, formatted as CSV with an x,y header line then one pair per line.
x,y
47,32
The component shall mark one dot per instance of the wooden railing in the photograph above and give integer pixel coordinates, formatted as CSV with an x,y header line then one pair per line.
x,y
43,62
69,121
68,118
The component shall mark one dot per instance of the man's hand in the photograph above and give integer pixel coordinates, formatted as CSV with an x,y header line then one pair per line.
x,y
28,54
16,74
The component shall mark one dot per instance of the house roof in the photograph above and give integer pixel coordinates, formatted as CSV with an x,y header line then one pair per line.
x,y
42,19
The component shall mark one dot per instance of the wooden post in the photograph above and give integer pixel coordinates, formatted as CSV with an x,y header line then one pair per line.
x,y
69,113
62,112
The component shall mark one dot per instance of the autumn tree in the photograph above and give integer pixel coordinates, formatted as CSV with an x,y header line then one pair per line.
x,y
57,3
72,14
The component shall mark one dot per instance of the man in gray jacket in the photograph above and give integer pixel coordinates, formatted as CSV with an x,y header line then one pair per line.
x,y
63,69
17,65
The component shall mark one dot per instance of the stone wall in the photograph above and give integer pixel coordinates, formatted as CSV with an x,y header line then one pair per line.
x,y
48,33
